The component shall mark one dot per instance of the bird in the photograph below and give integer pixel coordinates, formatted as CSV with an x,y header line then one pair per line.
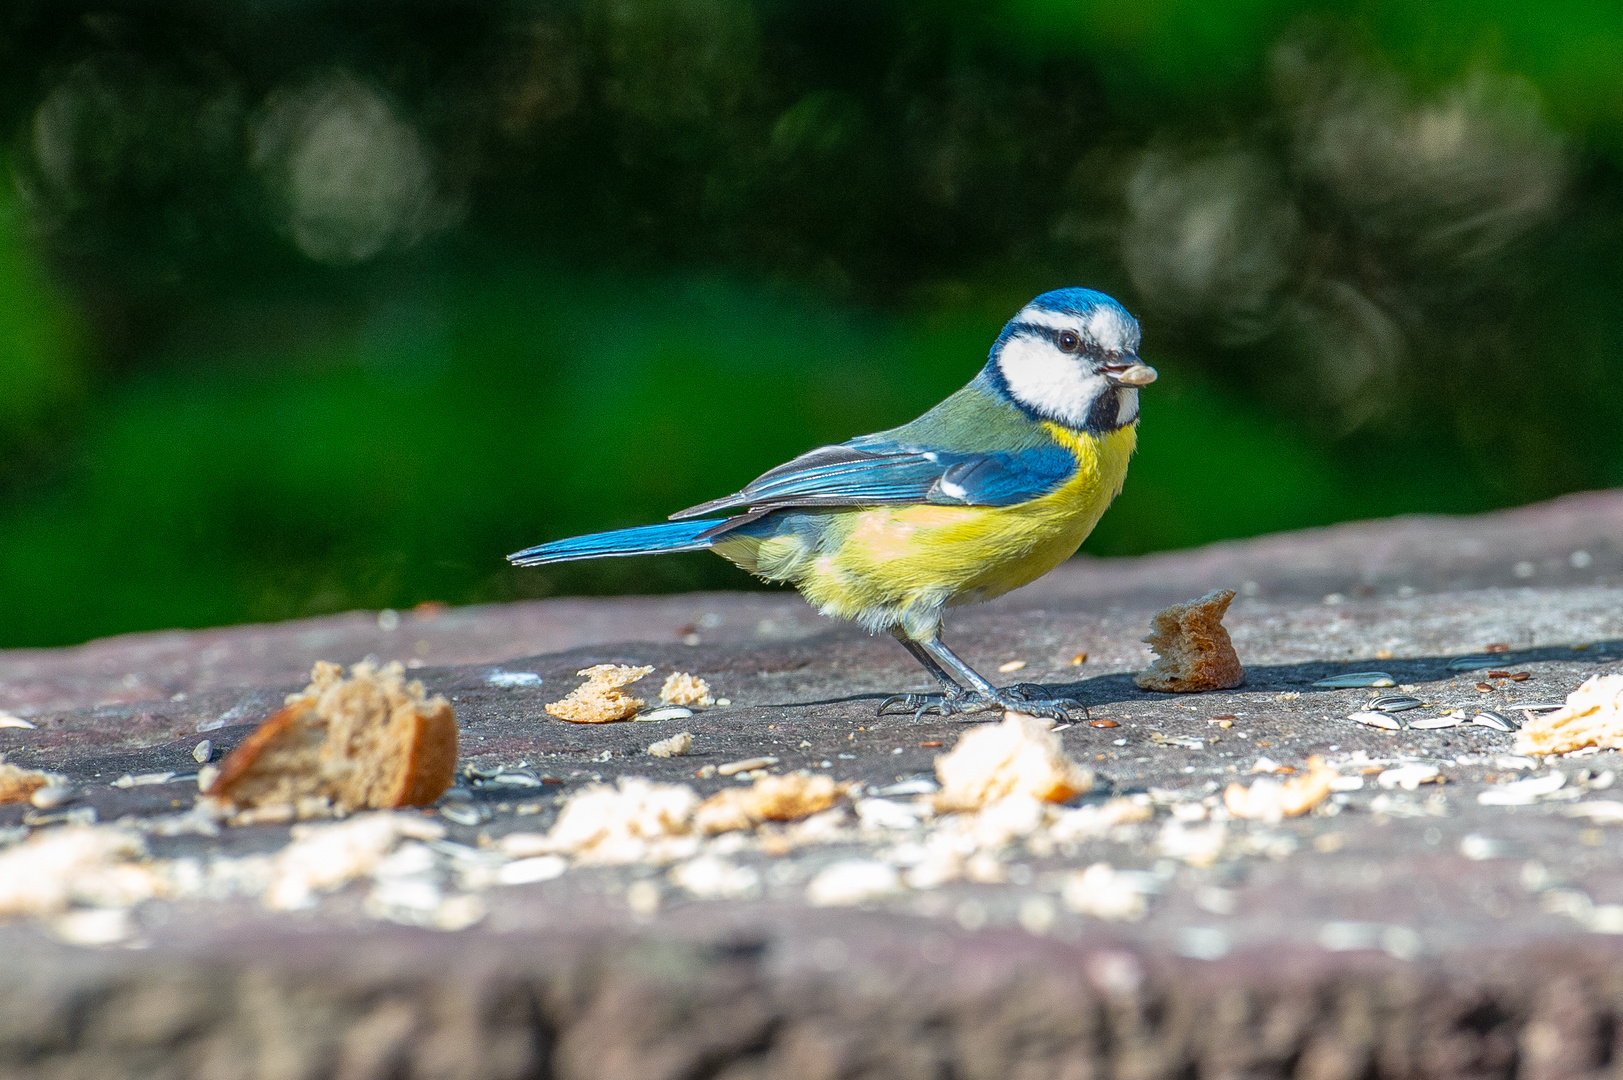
x,y
986,492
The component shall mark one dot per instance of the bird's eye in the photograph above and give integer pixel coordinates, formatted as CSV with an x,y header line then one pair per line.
x,y
1068,342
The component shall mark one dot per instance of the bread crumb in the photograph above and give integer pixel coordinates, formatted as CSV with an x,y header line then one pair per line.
x,y
18,784
1270,800
1105,893
55,868
772,798
599,700
683,689
675,746
1020,756
1193,651
324,857
369,741
1593,716
636,821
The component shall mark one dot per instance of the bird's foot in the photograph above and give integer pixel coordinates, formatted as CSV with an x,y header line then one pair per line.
x,y
1022,699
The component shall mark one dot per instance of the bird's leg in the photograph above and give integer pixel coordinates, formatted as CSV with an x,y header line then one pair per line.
x,y
979,695
919,704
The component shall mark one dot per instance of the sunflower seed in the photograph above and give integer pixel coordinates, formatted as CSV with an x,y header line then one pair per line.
x,y
514,779
672,712
1375,719
461,814
1497,721
1357,679
1541,706
203,751
1395,703
1428,722
747,765
1474,663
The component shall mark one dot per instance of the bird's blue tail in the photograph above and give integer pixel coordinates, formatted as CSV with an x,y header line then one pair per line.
x,y
642,540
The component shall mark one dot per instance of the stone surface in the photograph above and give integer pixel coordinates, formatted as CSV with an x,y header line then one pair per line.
x,y
1409,933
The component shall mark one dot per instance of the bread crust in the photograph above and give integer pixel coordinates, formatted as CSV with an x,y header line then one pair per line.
x,y
1194,651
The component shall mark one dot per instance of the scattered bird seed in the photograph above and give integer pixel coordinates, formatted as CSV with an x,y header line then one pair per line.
x,y
732,768
1390,703
672,712
1375,719
7,720
1079,659
1489,719
1498,674
1430,722
1541,706
1012,665
930,744
1473,663
1498,646
1103,723
1355,679
203,751
1484,688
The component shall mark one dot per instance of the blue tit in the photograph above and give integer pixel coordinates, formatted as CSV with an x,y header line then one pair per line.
x,y
988,491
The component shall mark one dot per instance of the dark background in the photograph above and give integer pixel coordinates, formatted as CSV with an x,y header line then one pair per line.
x,y
308,306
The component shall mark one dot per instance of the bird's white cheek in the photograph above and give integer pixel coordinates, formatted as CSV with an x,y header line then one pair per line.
x,y
1127,412
1042,378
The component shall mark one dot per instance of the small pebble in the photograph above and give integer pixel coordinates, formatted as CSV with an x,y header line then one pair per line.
x,y
203,751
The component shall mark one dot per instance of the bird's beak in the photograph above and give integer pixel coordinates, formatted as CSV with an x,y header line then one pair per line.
x,y
1130,372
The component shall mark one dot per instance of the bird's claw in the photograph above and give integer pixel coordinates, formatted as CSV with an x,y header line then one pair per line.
x,y
969,702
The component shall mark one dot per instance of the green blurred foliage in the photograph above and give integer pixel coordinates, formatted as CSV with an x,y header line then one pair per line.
x,y
323,306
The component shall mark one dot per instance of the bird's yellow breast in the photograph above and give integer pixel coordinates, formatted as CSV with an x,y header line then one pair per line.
x,y
924,556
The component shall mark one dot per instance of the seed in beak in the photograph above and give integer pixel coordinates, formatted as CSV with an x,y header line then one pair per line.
x,y
1137,375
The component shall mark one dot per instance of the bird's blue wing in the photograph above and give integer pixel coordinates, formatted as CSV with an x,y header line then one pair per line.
x,y
890,475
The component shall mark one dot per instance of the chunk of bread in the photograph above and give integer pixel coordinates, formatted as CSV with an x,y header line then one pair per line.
x,y
601,699
371,741
1193,651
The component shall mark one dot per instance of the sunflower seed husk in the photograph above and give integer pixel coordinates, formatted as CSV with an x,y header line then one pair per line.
x,y
1355,679
1475,663
1429,722
1541,706
1490,719
670,712
1375,719
1395,703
